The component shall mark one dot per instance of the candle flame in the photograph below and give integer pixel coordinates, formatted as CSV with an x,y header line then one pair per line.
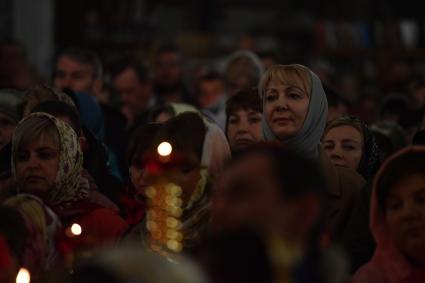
x,y
23,276
164,149
76,229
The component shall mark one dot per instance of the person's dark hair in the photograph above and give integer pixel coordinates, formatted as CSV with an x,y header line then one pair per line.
x,y
411,118
140,141
185,132
73,97
244,100
334,99
5,164
409,163
394,104
59,108
207,77
129,62
419,137
86,57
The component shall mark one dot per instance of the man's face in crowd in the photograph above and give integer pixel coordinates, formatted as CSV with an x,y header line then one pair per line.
x,y
168,69
74,75
133,93
210,92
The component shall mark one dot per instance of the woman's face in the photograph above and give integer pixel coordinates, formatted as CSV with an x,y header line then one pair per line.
x,y
244,129
285,109
344,146
37,165
405,216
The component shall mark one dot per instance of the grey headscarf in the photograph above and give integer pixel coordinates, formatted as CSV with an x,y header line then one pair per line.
x,y
255,60
307,140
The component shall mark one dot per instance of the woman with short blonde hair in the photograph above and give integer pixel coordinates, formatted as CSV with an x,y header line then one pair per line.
x,y
295,111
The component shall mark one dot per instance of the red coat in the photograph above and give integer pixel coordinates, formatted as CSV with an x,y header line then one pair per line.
x,y
100,223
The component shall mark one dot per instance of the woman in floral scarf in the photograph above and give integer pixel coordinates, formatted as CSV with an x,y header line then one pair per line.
x,y
47,162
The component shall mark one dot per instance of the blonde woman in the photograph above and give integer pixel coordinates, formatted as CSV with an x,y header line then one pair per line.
x,y
294,114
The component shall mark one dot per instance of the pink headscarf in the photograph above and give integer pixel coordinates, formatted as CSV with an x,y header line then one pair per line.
x,y
387,264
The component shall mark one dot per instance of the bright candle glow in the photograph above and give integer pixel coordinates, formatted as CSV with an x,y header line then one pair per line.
x,y
76,229
23,276
165,149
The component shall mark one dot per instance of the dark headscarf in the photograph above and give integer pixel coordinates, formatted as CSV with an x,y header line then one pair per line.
x,y
370,161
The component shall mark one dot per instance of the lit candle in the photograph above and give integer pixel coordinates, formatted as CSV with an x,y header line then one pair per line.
x,y
164,149
23,276
76,229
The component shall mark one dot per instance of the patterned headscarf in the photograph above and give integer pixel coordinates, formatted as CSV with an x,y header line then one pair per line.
x,y
370,161
42,93
307,140
70,185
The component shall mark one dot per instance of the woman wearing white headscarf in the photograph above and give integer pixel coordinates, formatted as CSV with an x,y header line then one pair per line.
x,y
294,114
199,151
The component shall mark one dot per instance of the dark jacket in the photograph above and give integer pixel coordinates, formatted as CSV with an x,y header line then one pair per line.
x,y
97,164
343,188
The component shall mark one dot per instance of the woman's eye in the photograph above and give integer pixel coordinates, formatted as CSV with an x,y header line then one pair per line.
x,y
294,95
186,169
46,155
349,147
254,120
138,166
394,204
270,98
328,146
233,120
271,95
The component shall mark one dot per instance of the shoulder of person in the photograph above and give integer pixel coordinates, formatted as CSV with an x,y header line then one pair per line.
x,y
369,273
102,201
105,223
350,177
340,180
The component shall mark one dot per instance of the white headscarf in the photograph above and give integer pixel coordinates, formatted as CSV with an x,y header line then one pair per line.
x,y
215,150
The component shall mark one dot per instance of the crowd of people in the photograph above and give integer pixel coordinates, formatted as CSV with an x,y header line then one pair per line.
x,y
250,171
